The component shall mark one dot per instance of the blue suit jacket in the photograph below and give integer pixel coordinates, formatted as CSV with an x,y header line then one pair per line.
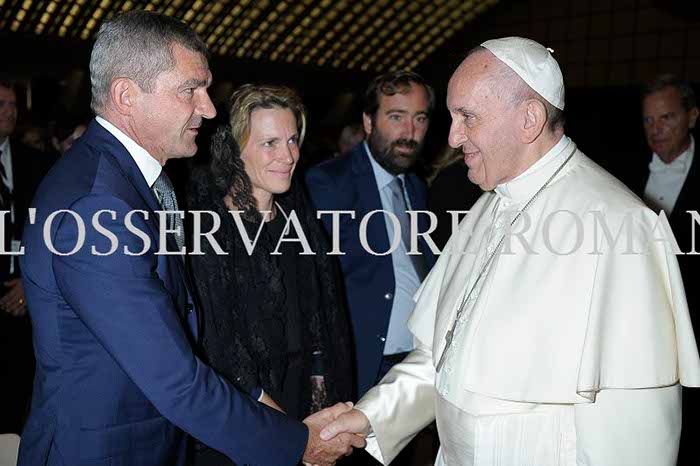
x,y
116,379
348,183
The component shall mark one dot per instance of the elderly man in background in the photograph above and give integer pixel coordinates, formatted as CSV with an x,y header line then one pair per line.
x,y
538,341
670,182
117,381
669,113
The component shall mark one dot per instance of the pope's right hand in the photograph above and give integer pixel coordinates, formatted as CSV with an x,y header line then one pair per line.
x,y
326,453
351,422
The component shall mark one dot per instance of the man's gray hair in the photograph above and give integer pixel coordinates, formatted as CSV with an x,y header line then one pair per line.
x,y
663,81
137,45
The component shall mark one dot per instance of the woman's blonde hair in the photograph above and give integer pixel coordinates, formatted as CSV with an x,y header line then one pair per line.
x,y
227,166
250,97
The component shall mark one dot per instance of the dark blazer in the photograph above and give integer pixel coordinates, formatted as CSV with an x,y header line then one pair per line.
x,y
28,168
117,382
16,355
681,224
348,183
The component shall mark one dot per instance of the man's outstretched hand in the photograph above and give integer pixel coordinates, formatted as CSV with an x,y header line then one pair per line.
x,y
352,421
326,453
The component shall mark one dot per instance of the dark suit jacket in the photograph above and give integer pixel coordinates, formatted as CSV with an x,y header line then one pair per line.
x,y
117,382
28,168
348,183
16,355
681,224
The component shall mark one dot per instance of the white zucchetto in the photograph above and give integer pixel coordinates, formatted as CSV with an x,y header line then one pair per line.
x,y
533,63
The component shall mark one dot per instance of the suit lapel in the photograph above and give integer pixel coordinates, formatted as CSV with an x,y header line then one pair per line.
x,y
687,200
369,199
418,202
141,193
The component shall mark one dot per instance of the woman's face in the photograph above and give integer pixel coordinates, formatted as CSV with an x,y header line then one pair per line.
x,y
272,150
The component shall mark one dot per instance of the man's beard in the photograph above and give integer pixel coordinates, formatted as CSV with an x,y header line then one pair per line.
x,y
392,160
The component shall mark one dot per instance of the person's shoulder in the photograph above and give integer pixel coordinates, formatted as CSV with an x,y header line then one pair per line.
x,y
601,190
417,180
86,169
334,168
19,148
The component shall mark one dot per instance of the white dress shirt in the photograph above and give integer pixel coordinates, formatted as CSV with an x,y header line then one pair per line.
x,y
7,180
666,180
150,168
398,337
6,160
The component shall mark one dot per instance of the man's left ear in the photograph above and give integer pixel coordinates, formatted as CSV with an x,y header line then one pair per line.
x,y
693,117
535,119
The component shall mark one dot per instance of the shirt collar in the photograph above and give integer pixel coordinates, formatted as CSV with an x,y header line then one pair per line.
x,y
5,145
680,164
524,186
150,168
382,176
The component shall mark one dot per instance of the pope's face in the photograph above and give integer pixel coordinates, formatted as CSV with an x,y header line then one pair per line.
x,y
483,123
667,123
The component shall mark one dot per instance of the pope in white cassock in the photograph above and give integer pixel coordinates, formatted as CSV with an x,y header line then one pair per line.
x,y
554,329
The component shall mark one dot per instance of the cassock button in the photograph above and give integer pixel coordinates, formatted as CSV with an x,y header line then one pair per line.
x,y
189,308
388,296
383,339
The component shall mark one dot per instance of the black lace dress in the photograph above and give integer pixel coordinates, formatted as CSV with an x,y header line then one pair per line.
x,y
265,314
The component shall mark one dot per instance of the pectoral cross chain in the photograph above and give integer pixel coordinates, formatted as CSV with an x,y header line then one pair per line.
x,y
449,336
448,342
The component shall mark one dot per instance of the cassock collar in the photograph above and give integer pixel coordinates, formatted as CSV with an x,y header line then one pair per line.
x,y
525,185
680,164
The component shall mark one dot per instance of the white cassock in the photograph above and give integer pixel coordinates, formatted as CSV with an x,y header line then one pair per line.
x,y
571,350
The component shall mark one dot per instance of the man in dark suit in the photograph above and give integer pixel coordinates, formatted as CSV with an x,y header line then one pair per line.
x,y
380,277
670,182
117,381
21,169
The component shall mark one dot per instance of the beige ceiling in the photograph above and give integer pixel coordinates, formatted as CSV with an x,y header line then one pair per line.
x,y
366,35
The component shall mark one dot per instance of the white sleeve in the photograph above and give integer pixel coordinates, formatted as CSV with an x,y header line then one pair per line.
x,y
401,405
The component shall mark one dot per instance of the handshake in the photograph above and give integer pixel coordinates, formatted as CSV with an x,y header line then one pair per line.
x,y
334,432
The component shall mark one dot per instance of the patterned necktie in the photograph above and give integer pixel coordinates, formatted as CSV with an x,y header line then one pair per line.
x,y
398,199
165,193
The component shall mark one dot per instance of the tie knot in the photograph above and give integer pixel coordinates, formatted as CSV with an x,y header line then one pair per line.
x,y
397,185
162,184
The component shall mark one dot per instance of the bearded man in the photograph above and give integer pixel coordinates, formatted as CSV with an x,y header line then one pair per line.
x,y
376,176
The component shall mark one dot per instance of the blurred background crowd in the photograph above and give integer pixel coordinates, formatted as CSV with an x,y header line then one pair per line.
x,y
614,54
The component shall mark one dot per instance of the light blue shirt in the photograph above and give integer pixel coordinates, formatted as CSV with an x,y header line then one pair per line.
x,y
398,337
